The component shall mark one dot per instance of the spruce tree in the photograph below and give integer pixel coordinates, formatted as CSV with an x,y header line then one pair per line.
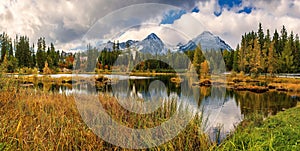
x,y
272,59
41,54
255,59
235,59
198,58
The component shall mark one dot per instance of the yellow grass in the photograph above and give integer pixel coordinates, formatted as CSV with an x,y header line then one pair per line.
x,y
37,120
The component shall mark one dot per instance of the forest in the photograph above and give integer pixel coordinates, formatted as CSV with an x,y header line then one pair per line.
x,y
19,56
258,53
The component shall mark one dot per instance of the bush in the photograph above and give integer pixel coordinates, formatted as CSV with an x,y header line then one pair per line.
x,y
2,146
233,74
241,74
26,70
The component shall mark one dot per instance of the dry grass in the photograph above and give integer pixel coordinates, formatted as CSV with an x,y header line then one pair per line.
x,y
39,121
36,120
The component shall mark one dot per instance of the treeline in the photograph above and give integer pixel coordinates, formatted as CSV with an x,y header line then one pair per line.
x,y
260,53
145,62
19,55
107,60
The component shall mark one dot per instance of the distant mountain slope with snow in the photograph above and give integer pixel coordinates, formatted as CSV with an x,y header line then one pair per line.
x,y
208,41
154,45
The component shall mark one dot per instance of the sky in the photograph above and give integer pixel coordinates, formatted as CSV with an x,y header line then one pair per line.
x,y
67,22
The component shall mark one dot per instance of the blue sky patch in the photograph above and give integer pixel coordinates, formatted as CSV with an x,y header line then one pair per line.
x,y
229,3
247,10
218,13
196,10
172,15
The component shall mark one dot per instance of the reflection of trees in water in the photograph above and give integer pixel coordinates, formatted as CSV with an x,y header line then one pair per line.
x,y
268,103
142,85
214,97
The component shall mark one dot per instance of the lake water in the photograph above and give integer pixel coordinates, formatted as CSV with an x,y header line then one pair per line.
x,y
222,108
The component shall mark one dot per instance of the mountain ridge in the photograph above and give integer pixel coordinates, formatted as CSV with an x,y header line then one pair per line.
x,y
154,45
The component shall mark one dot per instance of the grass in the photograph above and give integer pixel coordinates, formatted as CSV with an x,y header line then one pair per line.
x,y
37,120
279,132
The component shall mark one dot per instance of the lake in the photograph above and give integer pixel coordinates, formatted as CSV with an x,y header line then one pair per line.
x,y
222,108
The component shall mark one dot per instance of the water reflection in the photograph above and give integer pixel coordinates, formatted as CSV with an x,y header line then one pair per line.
x,y
220,107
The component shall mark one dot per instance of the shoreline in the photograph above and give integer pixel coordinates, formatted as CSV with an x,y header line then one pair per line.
x,y
260,84
265,134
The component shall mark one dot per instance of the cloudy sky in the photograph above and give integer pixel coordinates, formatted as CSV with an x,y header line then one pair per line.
x,y
67,22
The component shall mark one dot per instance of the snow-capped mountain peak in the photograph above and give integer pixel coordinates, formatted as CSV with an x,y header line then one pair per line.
x,y
208,41
154,45
152,36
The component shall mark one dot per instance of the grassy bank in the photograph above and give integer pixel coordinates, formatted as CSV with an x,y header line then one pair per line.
x,y
271,83
279,132
36,120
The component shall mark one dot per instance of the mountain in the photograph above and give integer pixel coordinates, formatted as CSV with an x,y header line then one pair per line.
x,y
152,44
208,41
109,45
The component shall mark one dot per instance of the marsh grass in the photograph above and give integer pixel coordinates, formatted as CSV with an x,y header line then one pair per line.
x,y
41,120
37,120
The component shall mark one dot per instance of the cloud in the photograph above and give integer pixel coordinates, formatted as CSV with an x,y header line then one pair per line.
x,y
172,15
64,22
231,24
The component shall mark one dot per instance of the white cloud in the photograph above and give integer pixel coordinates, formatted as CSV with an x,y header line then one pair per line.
x,y
61,21
231,25
65,22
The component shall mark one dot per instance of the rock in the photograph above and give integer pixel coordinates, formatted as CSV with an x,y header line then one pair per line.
x,y
205,83
237,80
282,89
271,87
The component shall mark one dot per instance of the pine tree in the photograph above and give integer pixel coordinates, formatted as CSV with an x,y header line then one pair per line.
x,y
41,54
272,63
78,61
283,39
33,65
228,59
255,60
261,37
242,55
23,54
236,59
287,59
265,51
297,54
4,46
92,54
198,58
276,42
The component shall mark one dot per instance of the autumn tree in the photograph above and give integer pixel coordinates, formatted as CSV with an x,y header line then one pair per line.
x,y
198,58
204,68
272,59
255,59
46,69
287,59
242,55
